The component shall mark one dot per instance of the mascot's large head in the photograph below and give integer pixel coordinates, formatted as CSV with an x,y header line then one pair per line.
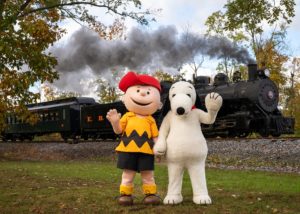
x,y
142,93
182,99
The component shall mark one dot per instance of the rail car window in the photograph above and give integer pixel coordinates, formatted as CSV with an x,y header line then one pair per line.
x,y
49,116
13,120
46,117
8,120
56,115
41,116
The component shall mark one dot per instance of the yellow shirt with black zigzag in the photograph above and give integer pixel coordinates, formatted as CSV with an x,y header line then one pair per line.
x,y
138,133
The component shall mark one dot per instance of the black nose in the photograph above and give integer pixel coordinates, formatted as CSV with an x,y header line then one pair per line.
x,y
180,111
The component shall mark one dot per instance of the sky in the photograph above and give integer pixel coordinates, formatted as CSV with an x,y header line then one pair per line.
x,y
182,14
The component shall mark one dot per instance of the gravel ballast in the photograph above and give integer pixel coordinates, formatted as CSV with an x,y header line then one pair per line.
x,y
280,155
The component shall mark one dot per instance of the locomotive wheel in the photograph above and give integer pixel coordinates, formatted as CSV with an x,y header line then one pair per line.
x,y
263,133
243,134
65,137
29,137
5,139
85,137
75,140
223,135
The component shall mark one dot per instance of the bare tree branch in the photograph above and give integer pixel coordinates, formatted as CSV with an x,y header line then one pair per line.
x,y
108,6
72,16
23,6
62,5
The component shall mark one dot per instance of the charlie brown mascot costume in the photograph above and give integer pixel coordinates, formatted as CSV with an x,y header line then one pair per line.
x,y
139,132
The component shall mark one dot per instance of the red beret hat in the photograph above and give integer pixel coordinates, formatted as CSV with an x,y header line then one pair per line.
x,y
132,78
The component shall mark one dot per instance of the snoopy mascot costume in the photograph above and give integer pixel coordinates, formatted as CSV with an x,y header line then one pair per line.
x,y
182,141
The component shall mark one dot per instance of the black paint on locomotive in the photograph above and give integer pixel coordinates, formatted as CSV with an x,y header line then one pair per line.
x,y
249,106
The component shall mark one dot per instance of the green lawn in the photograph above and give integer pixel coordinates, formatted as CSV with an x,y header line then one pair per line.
x,y
90,187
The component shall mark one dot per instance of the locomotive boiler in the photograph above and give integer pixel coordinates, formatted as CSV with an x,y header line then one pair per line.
x,y
249,106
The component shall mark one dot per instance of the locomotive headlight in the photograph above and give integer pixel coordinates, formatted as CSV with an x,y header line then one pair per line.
x,y
267,72
271,95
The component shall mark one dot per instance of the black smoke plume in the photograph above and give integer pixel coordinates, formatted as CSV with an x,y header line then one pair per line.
x,y
142,51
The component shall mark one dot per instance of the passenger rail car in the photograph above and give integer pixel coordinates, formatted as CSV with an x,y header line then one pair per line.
x,y
94,123
58,116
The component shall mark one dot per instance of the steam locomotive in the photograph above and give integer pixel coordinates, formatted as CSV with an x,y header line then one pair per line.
x,y
249,106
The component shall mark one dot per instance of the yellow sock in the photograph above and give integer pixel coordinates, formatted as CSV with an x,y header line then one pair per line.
x,y
126,190
149,189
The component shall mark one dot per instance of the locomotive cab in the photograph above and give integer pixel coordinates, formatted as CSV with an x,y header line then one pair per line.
x,y
201,81
221,79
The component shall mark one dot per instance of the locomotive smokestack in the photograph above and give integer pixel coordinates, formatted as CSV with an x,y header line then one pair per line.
x,y
252,72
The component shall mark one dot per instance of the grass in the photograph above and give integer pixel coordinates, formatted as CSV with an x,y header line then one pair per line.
x,y
90,187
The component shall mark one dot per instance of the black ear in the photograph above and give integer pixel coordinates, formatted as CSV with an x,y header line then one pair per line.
x,y
198,102
166,107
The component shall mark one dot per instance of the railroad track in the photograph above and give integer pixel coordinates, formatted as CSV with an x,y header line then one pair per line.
x,y
60,141
258,138
113,140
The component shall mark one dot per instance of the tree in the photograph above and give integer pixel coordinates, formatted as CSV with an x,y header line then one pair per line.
x,y
295,103
28,28
111,32
244,22
49,93
197,59
163,76
292,107
107,91
270,54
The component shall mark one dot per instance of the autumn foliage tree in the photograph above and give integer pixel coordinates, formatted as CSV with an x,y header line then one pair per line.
x,y
164,76
245,22
50,93
107,91
292,107
28,28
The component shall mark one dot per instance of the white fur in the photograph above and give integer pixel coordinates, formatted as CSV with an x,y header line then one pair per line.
x,y
181,139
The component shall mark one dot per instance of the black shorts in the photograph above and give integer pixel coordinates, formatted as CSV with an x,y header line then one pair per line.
x,y
135,161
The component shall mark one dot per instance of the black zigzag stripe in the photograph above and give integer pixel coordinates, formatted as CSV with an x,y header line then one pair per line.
x,y
139,140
